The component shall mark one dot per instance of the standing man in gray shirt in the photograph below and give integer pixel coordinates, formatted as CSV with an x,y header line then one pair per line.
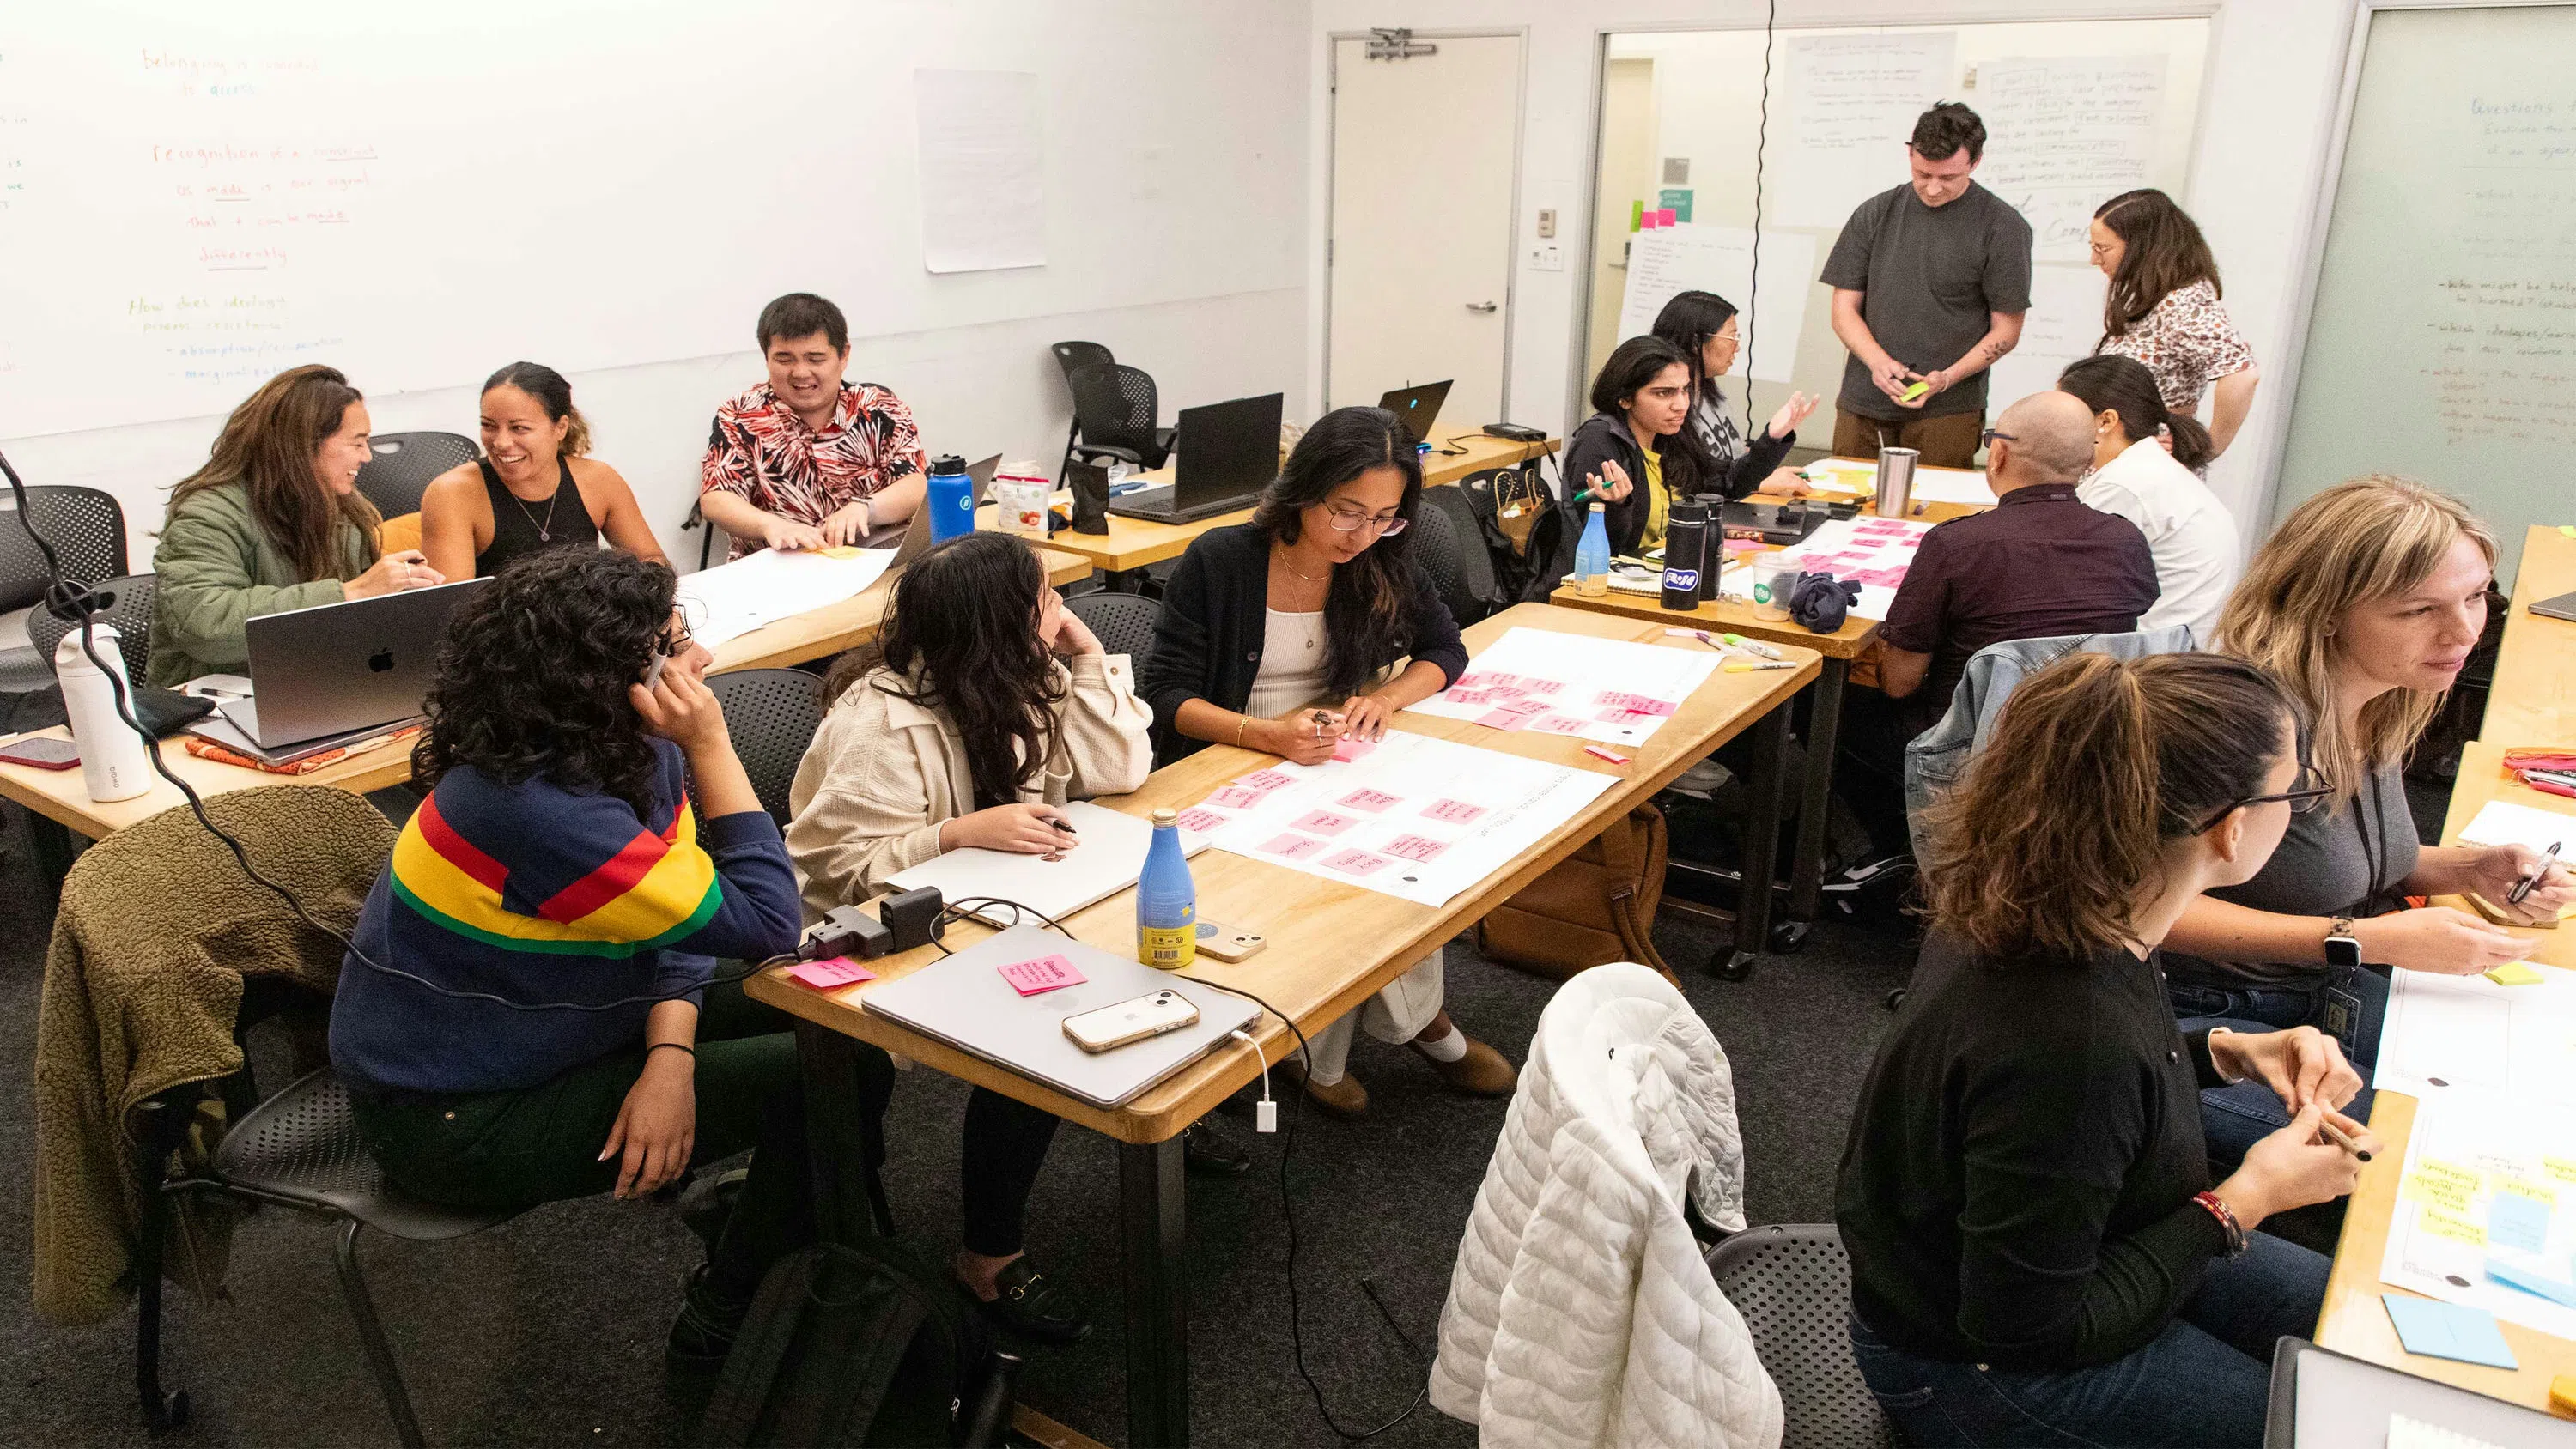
x,y
1931,281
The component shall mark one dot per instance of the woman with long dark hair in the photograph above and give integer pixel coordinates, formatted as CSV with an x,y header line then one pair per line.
x,y
983,706
2163,309
273,522
2038,1252
535,487
1706,328
587,840
1636,454
1317,600
2193,537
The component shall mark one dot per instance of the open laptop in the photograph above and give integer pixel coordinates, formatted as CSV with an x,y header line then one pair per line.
x,y
1419,407
327,675
915,537
1229,452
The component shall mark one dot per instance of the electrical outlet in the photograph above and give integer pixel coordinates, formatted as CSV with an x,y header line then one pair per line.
x,y
1547,223
1547,259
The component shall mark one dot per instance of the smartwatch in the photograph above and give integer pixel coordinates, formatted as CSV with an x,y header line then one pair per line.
x,y
2341,1016
2342,950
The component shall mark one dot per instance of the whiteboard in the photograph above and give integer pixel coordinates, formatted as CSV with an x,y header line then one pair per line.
x,y
1670,260
1851,102
2442,342
199,195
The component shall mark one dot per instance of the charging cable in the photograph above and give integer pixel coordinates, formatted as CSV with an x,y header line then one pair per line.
x,y
1266,1114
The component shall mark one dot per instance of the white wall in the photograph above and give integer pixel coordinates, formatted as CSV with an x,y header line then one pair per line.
x,y
2268,112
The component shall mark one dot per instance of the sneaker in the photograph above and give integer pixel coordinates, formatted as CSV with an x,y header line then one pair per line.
x,y
1345,1098
1029,1304
707,1203
1482,1072
702,1336
1210,1153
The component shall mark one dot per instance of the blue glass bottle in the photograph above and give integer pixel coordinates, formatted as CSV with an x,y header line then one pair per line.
x,y
1167,901
952,498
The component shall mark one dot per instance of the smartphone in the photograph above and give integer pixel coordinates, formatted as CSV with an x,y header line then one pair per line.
x,y
43,752
1132,1020
1225,943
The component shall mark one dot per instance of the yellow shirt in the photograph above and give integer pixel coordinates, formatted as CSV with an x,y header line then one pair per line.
x,y
1659,504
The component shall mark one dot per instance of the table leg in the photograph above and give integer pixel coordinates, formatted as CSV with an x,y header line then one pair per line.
x,y
50,842
1151,1207
1815,800
846,1086
1761,852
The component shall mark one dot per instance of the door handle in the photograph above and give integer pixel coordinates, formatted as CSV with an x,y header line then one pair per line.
x,y
1480,306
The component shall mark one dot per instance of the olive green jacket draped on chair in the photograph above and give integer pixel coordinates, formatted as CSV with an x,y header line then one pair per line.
x,y
218,570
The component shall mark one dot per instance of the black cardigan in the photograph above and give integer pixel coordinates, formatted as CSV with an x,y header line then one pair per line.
x,y
1207,644
1606,435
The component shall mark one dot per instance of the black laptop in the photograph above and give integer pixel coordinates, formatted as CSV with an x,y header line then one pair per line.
x,y
1228,452
1419,407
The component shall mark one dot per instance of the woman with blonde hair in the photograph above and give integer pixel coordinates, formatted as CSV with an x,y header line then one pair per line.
x,y
534,488
273,522
2365,603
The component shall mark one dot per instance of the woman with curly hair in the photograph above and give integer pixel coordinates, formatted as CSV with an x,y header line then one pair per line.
x,y
526,1016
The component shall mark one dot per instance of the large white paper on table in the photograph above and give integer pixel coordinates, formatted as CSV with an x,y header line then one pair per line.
x,y
983,170
2070,132
2505,822
732,599
2448,1035
1931,485
1872,552
1673,259
1852,102
1612,690
2486,1210
1409,816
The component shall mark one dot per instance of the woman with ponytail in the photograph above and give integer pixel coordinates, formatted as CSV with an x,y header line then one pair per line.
x,y
2036,1245
2192,535
534,488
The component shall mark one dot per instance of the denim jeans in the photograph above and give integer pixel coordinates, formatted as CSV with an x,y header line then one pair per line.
x,y
2234,1118
2203,1383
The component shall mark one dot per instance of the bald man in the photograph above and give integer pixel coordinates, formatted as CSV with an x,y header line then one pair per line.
x,y
2038,565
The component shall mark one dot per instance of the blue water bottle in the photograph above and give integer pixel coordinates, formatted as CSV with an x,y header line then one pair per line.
x,y
952,498
1592,557
1167,901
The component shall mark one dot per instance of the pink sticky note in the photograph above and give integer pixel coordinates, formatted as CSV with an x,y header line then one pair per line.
x,y
1502,719
1635,703
1557,724
1456,812
1896,577
1293,847
1541,686
1371,801
1415,847
1356,862
1457,695
1350,749
1325,822
1495,679
829,975
1262,782
1470,680
1233,797
1506,692
1047,973
1522,706
1201,821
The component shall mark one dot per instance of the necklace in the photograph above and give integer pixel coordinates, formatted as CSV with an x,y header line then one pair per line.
x,y
1292,568
545,530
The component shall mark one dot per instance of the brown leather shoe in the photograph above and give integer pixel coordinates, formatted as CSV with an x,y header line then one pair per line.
x,y
1482,1072
1345,1098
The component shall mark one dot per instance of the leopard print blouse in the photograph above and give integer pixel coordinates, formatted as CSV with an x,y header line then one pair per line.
x,y
2186,340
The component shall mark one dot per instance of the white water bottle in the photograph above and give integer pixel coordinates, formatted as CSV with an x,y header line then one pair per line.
x,y
113,764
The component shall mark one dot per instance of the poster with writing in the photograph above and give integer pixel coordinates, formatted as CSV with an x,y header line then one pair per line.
x,y
1851,104
1872,552
1611,690
1674,259
2486,1210
2068,132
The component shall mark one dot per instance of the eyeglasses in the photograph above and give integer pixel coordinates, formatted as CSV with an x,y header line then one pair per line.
x,y
2307,792
1990,434
674,641
1387,525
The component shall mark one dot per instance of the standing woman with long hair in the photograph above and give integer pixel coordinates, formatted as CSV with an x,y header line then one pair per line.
x,y
2163,309
2038,1252
2192,536
1267,623
2365,602
273,522
535,487
1706,328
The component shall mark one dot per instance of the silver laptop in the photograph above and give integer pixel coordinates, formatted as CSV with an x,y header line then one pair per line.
x,y
964,1002
342,670
916,533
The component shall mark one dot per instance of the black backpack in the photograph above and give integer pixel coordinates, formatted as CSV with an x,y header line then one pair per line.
x,y
860,1344
1526,567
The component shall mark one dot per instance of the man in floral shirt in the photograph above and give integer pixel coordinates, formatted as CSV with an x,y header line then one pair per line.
x,y
806,460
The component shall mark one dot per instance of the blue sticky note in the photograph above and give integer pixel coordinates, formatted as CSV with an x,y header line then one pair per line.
x,y
2446,1330
2515,1221
2553,1289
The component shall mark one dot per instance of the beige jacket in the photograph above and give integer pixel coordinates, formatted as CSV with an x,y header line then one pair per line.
x,y
883,773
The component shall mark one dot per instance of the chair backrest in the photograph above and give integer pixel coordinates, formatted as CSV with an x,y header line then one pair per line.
x,y
86,528
1480,591
1793,1286
130,612
1436,544
1124,623
772,715
1115,406
403,464
1075,356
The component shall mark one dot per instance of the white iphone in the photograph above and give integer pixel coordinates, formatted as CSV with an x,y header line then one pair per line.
x,y
1132,1020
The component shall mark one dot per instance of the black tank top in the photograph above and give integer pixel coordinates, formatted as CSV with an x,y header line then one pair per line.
x,y
520,528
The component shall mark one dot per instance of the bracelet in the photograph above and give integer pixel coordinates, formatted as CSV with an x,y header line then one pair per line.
x,y
1241,724
673,1045
2227,1223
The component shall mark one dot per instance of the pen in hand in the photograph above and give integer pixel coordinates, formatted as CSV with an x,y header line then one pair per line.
x,y
2337,1136
2531,882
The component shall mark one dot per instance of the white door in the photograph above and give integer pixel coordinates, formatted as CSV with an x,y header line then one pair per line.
x,y
1420,270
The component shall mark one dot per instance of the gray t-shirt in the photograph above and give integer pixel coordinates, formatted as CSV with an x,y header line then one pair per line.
x,y
2345,861
1931,274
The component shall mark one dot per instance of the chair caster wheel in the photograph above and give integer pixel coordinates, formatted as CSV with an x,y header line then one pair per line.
x,y
1894,999
1788,937
1733,965
173,1413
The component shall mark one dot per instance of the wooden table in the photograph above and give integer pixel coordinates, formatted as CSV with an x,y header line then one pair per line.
x,y
1331,947
1133,543
2353,1320
2533,701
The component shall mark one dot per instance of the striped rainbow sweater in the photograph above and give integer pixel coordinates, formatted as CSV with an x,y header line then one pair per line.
x,y
536,894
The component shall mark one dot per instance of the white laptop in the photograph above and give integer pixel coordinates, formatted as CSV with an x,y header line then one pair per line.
x,y
1109,858
963,1000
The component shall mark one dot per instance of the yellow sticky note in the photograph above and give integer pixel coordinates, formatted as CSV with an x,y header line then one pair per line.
x,y
2513,973
842,551
2560,1169
2440,1187
2567,530
2525,1187
1917,390
2447,1225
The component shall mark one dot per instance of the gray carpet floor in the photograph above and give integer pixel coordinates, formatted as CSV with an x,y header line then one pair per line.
x,y
548,1331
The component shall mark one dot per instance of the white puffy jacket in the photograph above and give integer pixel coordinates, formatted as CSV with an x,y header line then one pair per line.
x,y
1581,1313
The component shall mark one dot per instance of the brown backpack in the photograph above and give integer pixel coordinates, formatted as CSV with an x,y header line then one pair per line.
x,y
1598,906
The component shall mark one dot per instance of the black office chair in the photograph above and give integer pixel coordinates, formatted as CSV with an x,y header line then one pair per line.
x,y
1114,407
404,463
1477,591
772,715
1124,623
1793,1286
1072,357
87,529
129,609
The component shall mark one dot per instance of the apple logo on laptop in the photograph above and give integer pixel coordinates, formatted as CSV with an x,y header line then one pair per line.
x,y
381,661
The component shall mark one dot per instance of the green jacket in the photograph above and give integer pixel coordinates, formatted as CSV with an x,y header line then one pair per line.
x,y
217,570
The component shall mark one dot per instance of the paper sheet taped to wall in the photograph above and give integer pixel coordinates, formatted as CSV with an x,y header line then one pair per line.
x,y
983,155
1671,259
1852,102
